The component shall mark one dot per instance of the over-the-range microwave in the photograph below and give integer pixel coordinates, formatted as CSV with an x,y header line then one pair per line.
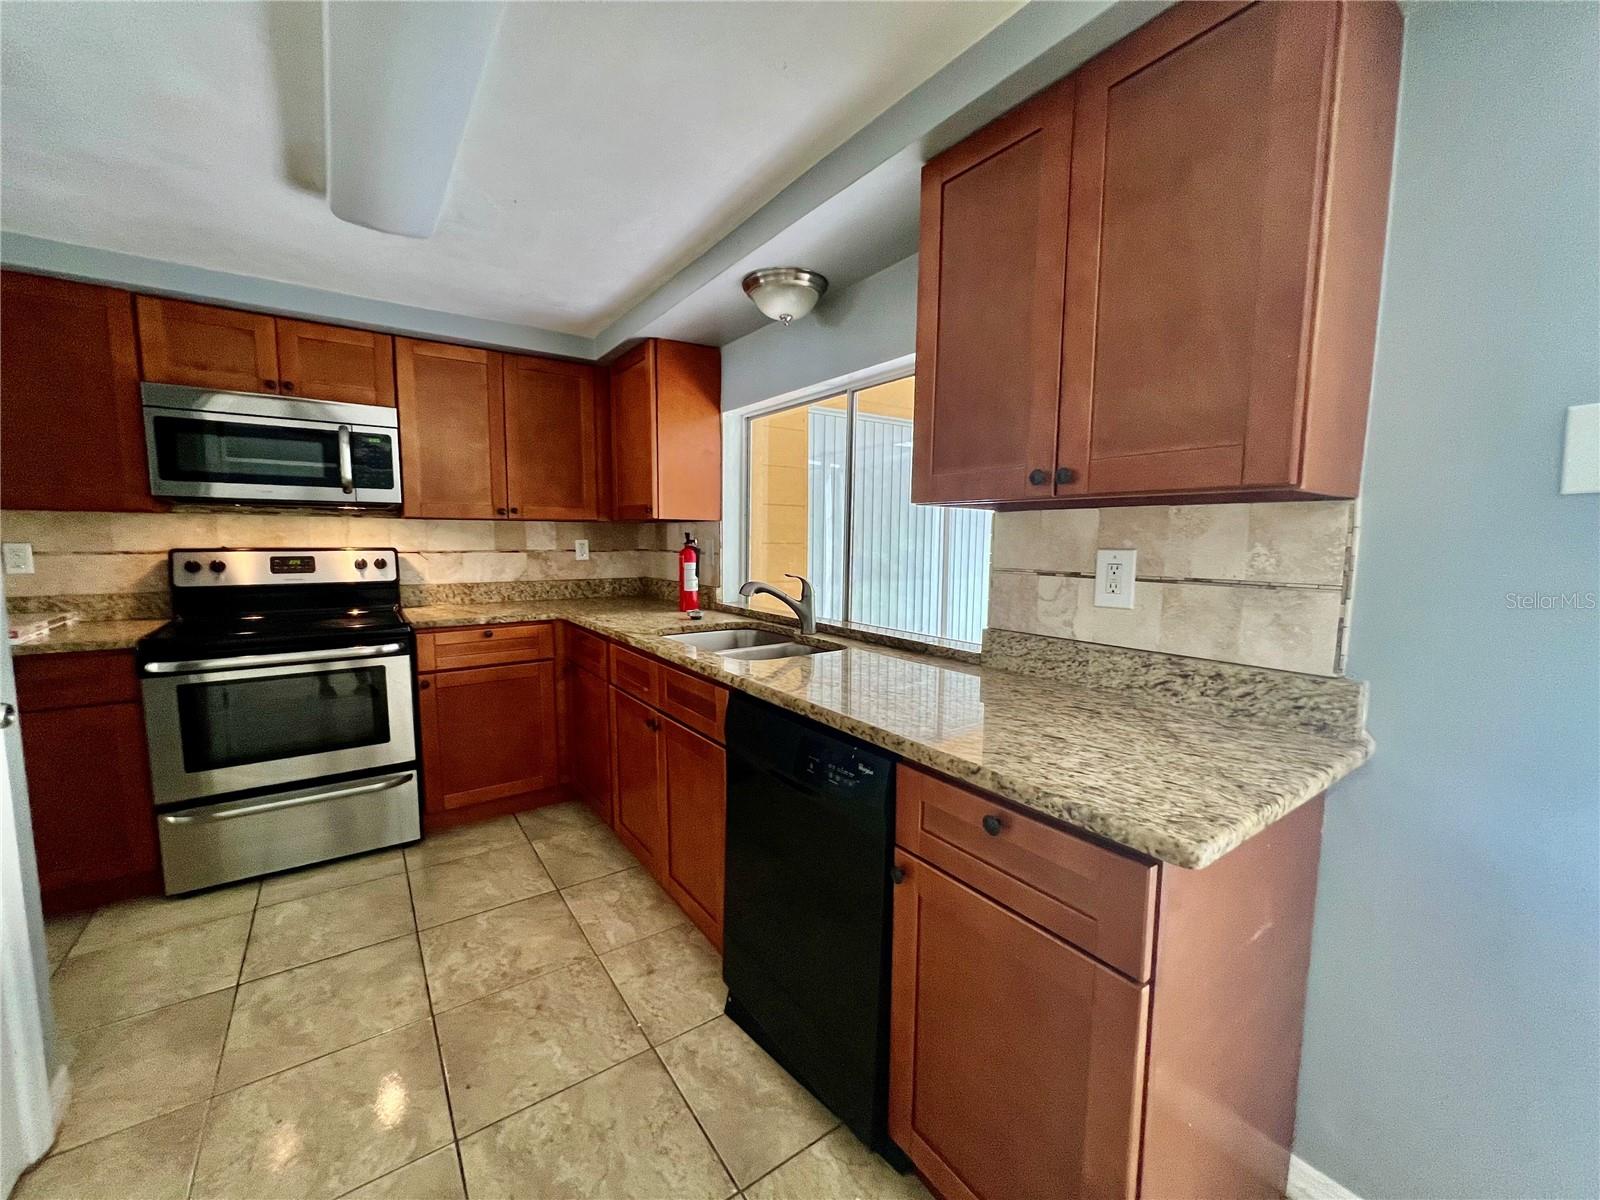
x,y
241,447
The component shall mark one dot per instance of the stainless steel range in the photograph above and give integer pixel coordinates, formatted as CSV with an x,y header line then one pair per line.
x,y
280,712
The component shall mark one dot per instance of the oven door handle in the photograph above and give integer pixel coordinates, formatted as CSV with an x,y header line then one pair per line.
x,y
251,810
270,660
347,473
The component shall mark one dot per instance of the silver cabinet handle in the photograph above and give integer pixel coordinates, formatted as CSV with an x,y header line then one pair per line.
x,y
347,474
250,810
8,715
270,660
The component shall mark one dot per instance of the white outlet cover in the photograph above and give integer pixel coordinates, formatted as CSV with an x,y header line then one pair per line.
x,y
1580,460
580,549
19,558
1113,578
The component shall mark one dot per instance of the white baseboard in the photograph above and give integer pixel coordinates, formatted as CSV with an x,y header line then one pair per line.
x,y
1308,1183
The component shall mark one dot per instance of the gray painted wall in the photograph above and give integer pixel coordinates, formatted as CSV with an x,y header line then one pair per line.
x,y
1451,1040
850,330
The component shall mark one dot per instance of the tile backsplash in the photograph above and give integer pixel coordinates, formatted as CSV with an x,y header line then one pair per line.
x,y
126,553
1261,584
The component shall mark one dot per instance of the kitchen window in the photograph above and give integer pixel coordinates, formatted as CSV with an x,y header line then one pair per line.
x,y
826,493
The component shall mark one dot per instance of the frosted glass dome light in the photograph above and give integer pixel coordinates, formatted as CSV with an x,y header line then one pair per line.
x,y
785,294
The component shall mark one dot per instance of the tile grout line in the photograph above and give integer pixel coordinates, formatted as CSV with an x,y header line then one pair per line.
x,y
688,1104
222,1051
438,1048
838,1125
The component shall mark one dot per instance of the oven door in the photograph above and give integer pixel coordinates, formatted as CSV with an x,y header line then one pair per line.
x,y
228,725
213,455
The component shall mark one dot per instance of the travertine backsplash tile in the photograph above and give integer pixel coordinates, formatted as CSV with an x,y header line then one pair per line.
x,y
1258,584
82,554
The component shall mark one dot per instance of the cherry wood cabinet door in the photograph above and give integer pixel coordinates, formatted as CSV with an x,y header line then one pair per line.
x,y
201,345
552,470
1197,178
1016,1061
633,435
488,733
638,781
993,259
71,429
94,825
452,430
330,362
697,819
589,739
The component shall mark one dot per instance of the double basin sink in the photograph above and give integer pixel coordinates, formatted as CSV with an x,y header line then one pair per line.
x,y
748,644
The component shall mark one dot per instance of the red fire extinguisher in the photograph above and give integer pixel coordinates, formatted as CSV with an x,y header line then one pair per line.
x,y
689,576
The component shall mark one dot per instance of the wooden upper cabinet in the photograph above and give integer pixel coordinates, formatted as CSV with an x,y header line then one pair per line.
x,y
1224,234
666,433
330,362
200,345
552,466
71,431
993,262
452,430
1016,1062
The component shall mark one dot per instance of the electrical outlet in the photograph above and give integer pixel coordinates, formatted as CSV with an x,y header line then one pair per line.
x,y
19,558
1113,578
580,549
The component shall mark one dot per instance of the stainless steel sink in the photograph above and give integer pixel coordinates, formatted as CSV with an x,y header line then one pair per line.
x,y
748,644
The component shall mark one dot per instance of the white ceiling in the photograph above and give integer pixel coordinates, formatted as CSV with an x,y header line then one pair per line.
x,y
609,144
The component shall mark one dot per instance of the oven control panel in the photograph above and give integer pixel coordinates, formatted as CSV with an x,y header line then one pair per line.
x,y
257,568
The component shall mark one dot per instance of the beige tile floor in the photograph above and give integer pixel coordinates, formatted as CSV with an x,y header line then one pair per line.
x,y
510,1009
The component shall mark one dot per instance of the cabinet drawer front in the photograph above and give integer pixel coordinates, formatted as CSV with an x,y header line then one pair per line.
x,y
636,674
1099,900
48,681
586,650
696,702
488,645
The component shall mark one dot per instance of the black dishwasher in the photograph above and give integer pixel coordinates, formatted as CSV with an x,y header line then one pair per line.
x,y
806,914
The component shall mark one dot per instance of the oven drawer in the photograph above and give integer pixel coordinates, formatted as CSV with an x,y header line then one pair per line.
x,y
240,839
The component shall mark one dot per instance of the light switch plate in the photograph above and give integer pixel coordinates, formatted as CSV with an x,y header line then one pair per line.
x,y
19,558
1580,461
1113,578
580,549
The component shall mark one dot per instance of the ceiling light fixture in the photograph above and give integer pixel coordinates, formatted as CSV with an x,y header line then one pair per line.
x,y
400,77
785,294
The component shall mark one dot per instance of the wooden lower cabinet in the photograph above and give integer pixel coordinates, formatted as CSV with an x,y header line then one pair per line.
x,y
589,740
1017,1061
697,818
488,733
83,746
638,775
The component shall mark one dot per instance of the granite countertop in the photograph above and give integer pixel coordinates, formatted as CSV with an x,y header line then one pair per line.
x,y
1149,775
88,635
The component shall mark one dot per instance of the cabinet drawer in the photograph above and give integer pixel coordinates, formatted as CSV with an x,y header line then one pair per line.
x,y
1099,900
636,674
49,681
693,701
486,646
585,650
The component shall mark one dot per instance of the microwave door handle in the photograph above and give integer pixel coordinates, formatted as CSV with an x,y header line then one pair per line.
x,y
250,810
347,475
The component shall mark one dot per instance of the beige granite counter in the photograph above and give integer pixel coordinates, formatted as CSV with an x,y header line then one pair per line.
x,y
89,635
1150,775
